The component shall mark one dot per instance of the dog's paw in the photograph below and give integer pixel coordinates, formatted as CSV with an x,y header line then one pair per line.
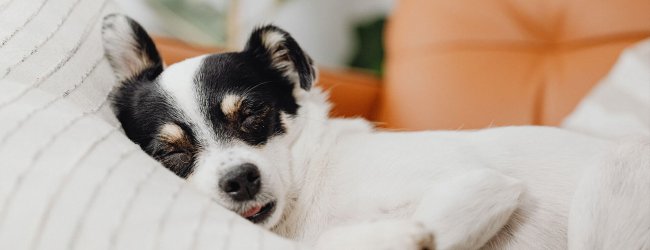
x,y
382,235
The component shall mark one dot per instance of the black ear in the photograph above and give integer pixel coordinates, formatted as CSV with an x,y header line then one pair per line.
x,y
129,49
275,47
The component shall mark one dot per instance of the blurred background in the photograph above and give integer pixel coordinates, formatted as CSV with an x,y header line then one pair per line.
x,y
427,64
336,33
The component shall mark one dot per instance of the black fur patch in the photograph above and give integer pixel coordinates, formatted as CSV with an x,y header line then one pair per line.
x,y
142,108
264,93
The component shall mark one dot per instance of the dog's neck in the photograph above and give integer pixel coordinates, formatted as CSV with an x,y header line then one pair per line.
x,y
313,134
308,128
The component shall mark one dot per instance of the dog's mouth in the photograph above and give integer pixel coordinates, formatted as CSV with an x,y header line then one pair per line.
x,y
259,213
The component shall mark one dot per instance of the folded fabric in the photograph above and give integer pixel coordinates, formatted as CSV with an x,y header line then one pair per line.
x,y
619,105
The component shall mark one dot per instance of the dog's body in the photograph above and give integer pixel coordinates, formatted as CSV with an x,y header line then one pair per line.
x,y
364,175
354,174
248,129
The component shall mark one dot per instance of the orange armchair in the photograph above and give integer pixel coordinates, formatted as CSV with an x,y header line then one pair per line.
x,y
473,64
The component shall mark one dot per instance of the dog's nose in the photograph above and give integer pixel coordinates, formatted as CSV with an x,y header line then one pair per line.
x,y
242,183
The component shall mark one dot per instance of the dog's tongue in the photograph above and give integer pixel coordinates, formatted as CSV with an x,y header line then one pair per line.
x,y
253,211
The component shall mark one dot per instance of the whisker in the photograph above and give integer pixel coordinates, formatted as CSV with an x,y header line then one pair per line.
x,y
247,91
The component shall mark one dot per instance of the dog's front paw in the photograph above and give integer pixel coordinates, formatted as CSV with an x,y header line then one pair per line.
x,y
381,235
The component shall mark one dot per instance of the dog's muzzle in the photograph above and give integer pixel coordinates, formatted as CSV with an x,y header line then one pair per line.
x,y
242,184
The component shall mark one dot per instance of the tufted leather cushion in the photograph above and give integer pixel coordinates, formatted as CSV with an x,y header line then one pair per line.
x,y
473,64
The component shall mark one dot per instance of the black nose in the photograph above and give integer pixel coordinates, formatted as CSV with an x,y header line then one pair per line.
x,y
241,183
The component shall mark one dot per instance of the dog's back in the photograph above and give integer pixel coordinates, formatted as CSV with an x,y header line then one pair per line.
x,y
611,208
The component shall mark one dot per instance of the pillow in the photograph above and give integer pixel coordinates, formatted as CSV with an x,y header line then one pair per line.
x,y
56,46
620,104
69,178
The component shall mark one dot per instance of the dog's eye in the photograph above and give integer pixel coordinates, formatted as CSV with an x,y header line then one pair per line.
x,y
178,161
176,157
254,108
169,152
252,123
173,153
253,116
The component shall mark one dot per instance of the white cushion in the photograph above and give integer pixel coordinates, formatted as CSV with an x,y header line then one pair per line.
x,y
56,46
69,178
619,105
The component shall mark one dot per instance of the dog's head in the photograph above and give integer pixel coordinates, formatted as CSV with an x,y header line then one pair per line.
x,y
221,121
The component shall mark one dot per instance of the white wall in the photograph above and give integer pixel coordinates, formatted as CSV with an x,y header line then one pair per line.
x,y
138,10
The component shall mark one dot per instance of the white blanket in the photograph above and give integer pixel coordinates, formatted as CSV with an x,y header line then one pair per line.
x,y
619,105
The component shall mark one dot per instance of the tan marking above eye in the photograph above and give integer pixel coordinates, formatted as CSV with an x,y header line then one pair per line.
x,y
171,132
230,104
175,138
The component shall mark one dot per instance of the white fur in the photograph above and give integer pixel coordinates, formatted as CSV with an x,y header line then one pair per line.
x,y
384,234
119,42
609,198
502,188
340,183
457,212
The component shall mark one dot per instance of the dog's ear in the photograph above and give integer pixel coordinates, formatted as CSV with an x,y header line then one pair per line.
x,y
129,49
275,47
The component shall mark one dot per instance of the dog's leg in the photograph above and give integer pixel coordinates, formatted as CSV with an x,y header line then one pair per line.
x,y
385,234
611,206
466,211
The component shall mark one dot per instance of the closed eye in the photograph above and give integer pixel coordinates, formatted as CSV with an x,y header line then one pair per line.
x,y
252,108
178,161
253,122
173,153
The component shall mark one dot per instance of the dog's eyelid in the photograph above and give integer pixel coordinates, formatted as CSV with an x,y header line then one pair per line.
x,y
169,149
174,152
254,107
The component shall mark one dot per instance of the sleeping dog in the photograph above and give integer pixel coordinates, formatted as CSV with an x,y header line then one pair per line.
x,y
251,130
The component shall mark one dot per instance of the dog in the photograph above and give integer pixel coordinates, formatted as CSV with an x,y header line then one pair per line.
x,y
251,130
